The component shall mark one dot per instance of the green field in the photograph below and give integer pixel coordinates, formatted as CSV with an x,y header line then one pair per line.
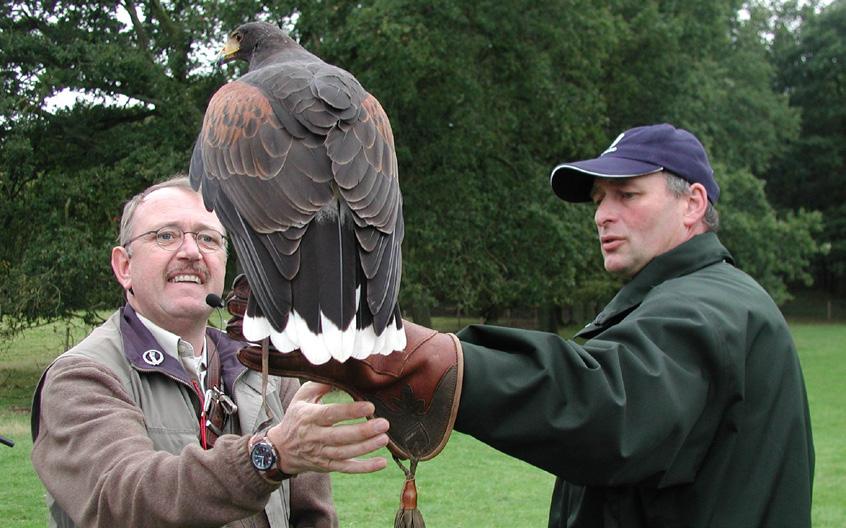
x,y
468,485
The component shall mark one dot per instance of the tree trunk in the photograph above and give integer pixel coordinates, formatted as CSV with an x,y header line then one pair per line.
x,y
549,319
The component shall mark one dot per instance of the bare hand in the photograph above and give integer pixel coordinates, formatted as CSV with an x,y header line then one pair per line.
x,y
308,439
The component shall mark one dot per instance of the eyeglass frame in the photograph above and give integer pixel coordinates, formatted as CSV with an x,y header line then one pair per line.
x,y
223,245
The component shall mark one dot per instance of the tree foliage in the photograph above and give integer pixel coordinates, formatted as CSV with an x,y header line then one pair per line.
x,y
484,98
810,54
774,248
479,115
65,173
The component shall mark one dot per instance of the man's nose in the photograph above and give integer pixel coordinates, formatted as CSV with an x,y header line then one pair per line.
x,y
189,247
604,213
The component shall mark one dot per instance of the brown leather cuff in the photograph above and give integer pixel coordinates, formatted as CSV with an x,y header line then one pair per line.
x,y
417,389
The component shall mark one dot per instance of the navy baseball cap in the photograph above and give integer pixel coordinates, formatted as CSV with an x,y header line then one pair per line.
x,y
638,152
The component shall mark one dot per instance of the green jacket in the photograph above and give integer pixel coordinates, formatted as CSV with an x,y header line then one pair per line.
x,y
684,406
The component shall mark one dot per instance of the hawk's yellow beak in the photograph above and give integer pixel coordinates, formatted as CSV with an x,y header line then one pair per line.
x,y
229,50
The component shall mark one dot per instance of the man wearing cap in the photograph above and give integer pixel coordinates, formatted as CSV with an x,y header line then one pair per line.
x,y
681,404
685,403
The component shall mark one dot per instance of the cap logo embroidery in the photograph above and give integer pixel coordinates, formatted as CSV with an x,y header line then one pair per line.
x,y
613,147
153,357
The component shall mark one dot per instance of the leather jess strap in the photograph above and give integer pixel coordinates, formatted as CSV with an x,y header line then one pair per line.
x,y
218,407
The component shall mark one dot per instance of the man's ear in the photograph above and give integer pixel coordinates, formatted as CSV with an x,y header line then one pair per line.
x,y
697,204
121,265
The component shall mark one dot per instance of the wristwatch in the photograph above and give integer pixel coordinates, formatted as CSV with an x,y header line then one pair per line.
x,y
265,460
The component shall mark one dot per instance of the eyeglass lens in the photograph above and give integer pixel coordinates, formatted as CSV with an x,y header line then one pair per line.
x,y
172,238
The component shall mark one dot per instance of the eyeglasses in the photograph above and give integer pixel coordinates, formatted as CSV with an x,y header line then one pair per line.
x,y
171,238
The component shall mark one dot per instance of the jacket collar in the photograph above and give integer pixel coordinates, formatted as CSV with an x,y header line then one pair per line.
x,y
698,252
145,354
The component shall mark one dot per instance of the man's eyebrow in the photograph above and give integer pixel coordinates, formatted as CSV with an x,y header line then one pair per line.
x,y
201,226
594,188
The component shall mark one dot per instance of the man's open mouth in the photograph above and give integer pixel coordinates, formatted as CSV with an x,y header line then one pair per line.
x,y
186,278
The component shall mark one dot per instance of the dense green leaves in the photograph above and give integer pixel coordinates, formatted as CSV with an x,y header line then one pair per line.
x,y
775,249
812,71
484,98
479,110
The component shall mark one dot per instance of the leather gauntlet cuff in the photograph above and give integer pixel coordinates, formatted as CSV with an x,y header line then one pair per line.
x,y
417,389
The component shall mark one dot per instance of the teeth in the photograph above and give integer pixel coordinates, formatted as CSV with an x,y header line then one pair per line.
x,y
186,278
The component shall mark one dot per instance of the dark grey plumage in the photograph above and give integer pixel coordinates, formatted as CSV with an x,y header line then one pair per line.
x,y
298,161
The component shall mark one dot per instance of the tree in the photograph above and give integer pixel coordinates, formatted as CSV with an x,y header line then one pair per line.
x,y
810,51
701,67
71,169
776,249
484,98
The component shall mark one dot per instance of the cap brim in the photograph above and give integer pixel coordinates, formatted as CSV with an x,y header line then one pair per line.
x,y
573,181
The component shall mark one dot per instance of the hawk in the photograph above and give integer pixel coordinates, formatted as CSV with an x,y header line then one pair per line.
x,y
298,161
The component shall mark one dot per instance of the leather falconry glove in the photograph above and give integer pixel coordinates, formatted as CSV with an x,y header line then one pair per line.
x,y
417,389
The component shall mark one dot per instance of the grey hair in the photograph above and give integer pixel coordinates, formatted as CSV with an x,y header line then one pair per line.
x,y
180,181
680,187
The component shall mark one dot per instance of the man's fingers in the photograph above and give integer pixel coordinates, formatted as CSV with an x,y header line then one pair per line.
x,y
367,465
330,448
333,450
333,413
312,437
354,432
312,392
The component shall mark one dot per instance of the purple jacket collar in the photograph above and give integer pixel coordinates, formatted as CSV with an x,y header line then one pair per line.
x,y
145,354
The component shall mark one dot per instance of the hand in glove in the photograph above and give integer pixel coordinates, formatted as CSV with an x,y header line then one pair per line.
x,y
417,389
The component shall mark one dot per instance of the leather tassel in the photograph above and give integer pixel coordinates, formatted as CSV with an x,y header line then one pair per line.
x,y
408,516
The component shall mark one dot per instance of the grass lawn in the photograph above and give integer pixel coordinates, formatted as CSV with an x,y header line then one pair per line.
x,y
468,485
823,356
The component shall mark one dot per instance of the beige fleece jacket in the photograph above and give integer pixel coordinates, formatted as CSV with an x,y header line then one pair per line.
x,y
95,457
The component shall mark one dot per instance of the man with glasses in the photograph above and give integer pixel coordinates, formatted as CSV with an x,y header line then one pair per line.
x,y
152,421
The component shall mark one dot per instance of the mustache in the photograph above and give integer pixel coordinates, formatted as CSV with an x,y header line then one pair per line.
x,y
199,270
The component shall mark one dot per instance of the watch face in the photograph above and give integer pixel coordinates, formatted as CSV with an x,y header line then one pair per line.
x,y
262,456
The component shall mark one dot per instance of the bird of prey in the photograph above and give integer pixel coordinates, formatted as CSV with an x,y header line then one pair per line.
x,y
297,159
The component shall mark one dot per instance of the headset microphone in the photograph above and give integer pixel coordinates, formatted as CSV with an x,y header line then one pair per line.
x,y
214,300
